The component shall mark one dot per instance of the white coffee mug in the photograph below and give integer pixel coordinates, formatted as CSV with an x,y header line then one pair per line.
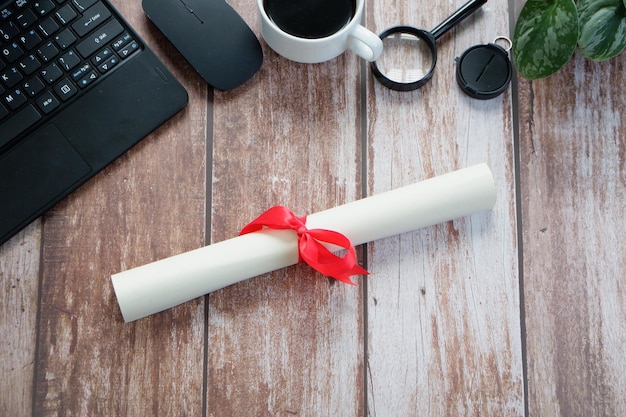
x,y
313,50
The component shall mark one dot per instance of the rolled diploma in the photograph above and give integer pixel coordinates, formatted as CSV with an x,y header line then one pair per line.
x,y
166,283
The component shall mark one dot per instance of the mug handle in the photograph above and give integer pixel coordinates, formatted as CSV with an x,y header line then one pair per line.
x,y
365,43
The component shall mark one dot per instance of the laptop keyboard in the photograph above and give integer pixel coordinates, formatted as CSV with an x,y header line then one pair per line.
x,y
51,52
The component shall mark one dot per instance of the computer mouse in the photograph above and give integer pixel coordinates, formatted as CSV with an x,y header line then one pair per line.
x,y
212,36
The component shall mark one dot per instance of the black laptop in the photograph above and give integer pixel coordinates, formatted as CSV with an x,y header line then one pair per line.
x,y
78,87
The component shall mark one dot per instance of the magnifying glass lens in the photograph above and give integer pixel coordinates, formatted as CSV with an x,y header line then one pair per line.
x,y
406,58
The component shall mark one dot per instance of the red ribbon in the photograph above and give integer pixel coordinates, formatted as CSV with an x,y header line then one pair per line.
x,y
310,248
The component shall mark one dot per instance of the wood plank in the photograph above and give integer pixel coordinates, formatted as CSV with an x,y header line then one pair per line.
x,y
573,187
147,205
443,303
19,286
288,342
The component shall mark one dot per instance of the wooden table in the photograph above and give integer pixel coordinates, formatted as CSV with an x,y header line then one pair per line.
x,y
519,311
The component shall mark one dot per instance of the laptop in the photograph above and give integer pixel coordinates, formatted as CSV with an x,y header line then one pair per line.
x,y
78,87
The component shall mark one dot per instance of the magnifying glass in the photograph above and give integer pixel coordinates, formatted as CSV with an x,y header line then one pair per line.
x,y
409,54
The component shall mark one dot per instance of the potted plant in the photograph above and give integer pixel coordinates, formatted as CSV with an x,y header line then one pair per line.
x,y
549,32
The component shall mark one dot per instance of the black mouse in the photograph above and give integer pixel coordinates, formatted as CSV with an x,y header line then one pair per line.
x,y
212,36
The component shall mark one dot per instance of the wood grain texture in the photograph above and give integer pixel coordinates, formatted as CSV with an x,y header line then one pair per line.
x,y
443,303
289,342
19,282
573,170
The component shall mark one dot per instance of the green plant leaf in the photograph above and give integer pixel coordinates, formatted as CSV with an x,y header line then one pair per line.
x,y
602,28
545,37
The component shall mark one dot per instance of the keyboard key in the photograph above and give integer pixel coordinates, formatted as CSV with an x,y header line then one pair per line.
x,y
30,39
120,42
92,18
5,14
66,14
8,31
47,102
81,71
11,52
69,60
18,123
108,64
29,64
128,50
43,7
33,86
47,52
11,77
48,27
15,99
88,79
100,37
26,18
101,56
65,89
51,73
65,39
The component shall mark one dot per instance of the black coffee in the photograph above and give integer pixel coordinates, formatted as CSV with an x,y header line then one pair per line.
x,y
310,18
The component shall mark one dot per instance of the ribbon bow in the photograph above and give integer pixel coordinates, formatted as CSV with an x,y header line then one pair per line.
x,y
310,248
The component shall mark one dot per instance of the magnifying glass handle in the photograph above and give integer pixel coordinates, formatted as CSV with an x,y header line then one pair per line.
x,y
465,10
